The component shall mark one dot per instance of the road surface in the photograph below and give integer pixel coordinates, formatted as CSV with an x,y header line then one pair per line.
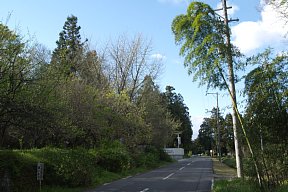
x,y
194,175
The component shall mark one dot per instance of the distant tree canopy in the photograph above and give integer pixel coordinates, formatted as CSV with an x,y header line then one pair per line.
x,y
208,136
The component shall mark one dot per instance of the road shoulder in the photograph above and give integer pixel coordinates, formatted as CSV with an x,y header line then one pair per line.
x,y
222,171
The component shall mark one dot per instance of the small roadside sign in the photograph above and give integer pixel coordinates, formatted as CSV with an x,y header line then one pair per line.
x,y
40,171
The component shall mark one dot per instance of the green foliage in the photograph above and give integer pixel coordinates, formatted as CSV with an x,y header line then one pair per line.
x,y
156,113
266,115
15,67
17,170
67,101
180,112
113,157
67,167
237,185
66,58
282,188
163,156
150,157
205,136
60,189
74,167
61,167
200,32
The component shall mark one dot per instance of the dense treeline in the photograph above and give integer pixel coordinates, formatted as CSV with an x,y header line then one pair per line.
x,y
86,114
76,96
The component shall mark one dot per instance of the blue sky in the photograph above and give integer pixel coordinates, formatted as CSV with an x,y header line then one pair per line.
x,y
104,20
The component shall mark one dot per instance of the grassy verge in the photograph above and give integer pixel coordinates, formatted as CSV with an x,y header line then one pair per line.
x,y
222,171
231,162
225,179
235,185
242,185
283,188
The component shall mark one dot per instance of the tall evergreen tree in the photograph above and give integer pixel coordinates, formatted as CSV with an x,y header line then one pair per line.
x,y
69,51
179,111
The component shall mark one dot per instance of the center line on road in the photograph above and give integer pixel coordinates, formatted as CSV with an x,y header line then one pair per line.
x,y
181,168
168,176
144,190
189,164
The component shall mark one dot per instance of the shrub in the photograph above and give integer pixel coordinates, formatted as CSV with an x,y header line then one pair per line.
x,y
150,157
164,156
71,167
16,171
61,167
113,157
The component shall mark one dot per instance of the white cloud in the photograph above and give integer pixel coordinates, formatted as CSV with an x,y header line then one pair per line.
x,y
158,56
269,31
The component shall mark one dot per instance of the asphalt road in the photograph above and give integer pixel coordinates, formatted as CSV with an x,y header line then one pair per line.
x,y
194,175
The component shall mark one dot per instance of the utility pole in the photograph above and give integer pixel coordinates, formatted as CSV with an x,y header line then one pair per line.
x,y
232,87
218,128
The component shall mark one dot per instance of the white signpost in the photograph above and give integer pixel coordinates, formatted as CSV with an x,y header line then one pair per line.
x,y
40,172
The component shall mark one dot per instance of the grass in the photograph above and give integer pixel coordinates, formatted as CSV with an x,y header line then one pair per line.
x,y
61,189
242,185
231,162
235,185
283,188
223,171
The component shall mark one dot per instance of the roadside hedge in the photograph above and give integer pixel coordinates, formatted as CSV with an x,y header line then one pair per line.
x,y
18,169
70,167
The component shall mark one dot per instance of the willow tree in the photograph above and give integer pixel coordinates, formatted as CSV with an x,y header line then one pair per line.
x,y
202,36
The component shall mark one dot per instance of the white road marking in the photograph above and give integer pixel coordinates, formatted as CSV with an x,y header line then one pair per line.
x,y
106,183
189,164
181,168
212,184
144,190
168,176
